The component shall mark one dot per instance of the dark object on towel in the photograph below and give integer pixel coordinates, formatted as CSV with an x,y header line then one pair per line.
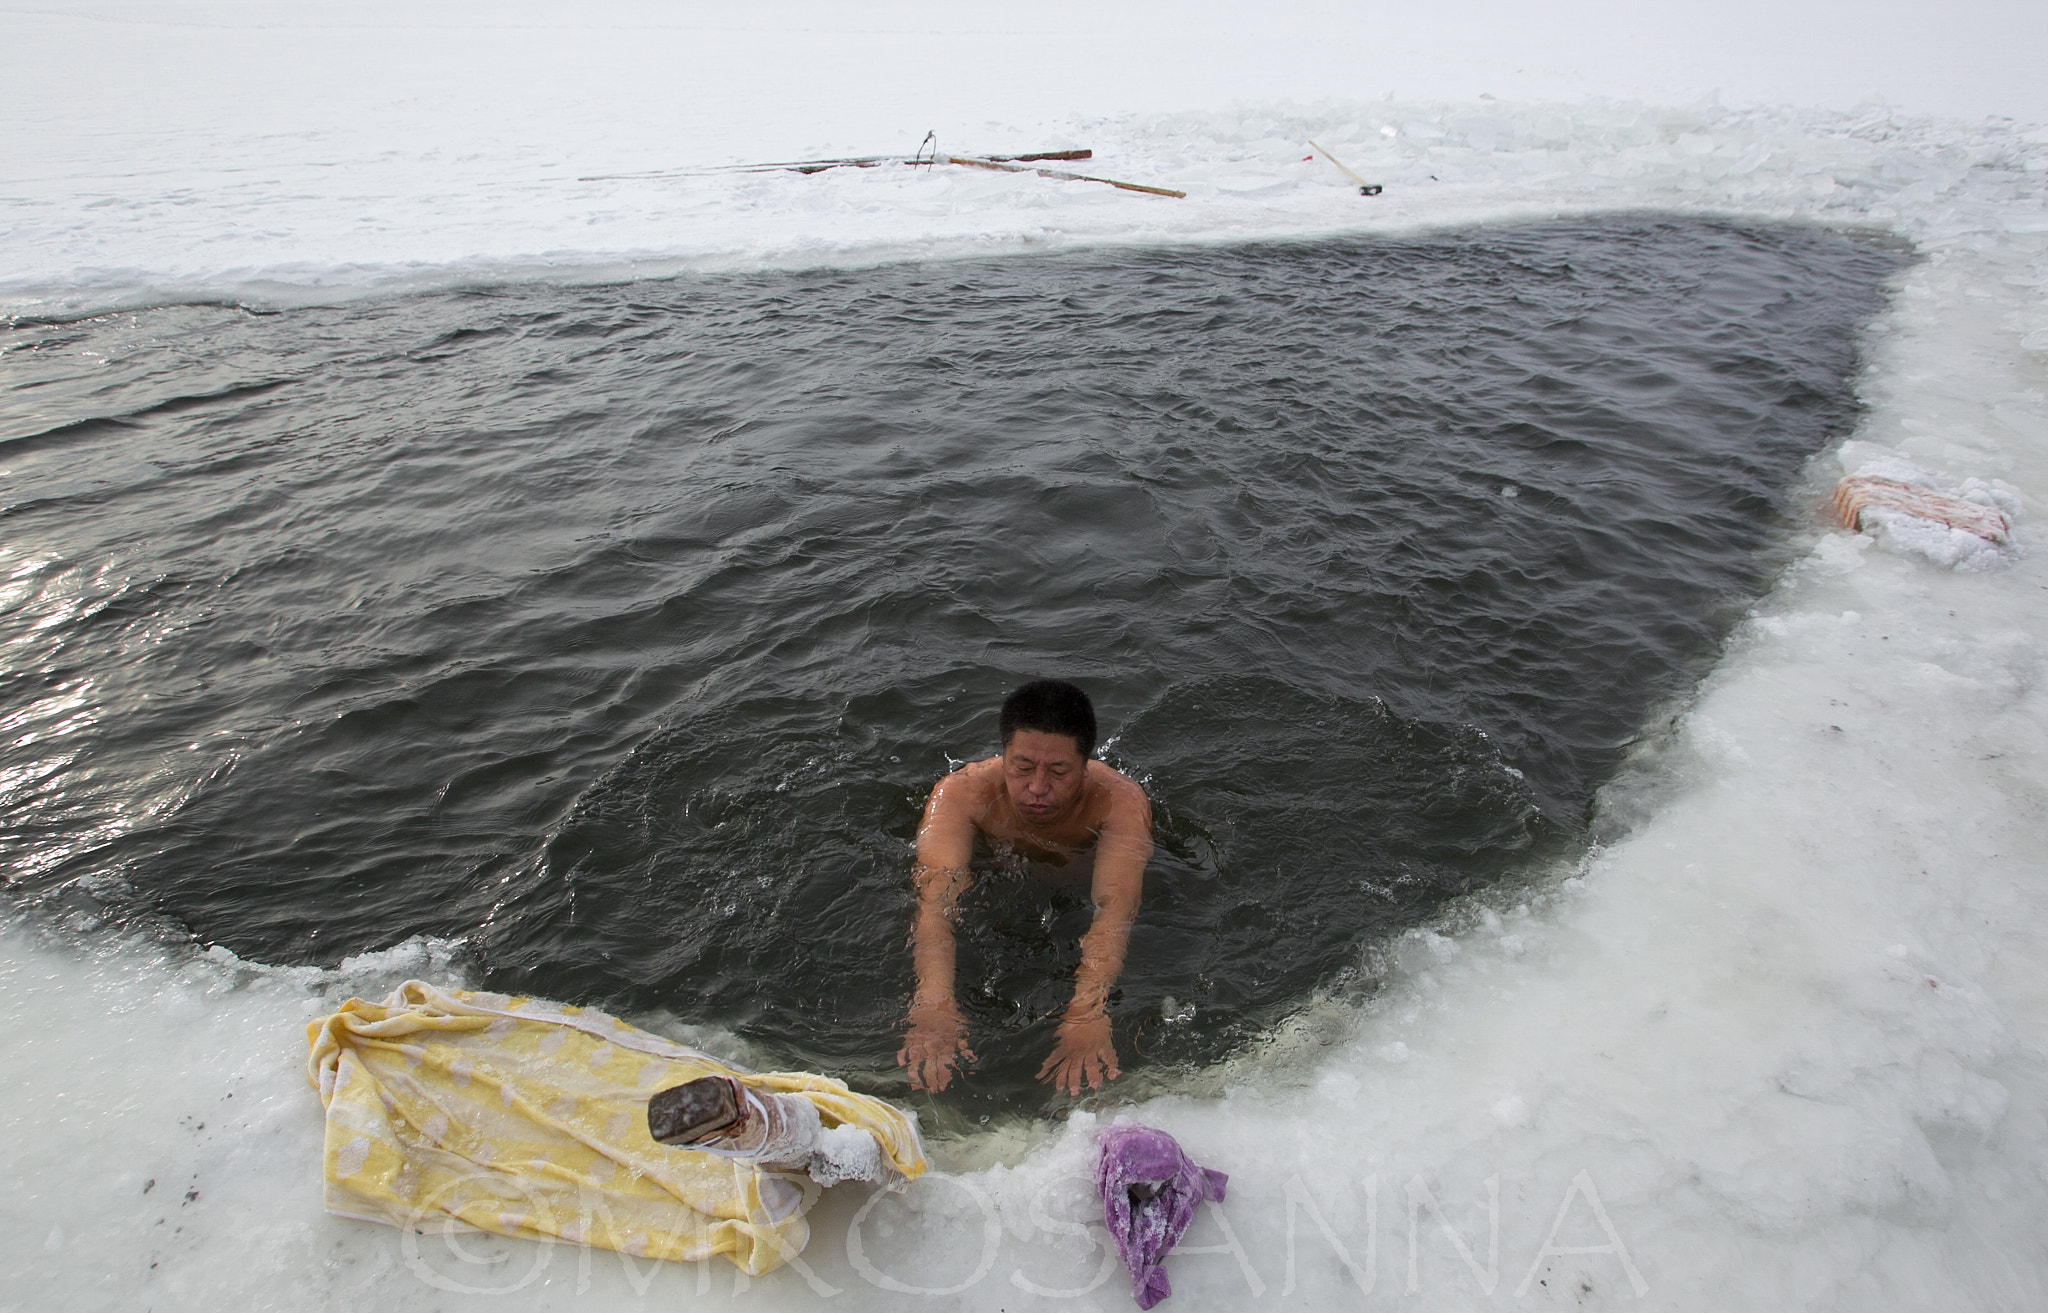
x,y
686,1113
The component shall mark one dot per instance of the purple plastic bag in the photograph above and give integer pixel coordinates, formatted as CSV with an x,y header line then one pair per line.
x,y
1149,1191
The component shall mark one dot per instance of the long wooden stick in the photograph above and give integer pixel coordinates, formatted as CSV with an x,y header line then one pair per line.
x,y
798,166
819,166
1046,155
1001,163
1063,176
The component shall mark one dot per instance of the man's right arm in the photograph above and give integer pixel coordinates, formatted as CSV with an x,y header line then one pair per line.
x,y
937,1038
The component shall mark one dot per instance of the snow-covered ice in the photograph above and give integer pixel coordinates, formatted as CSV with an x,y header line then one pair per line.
x,y
1778,1043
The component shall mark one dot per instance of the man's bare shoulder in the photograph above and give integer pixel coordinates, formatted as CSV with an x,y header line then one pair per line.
x,y
1118,790
971,786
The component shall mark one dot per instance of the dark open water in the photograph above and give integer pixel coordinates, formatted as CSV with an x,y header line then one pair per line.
x,y
621,631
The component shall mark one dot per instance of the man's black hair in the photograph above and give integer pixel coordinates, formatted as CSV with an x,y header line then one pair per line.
x,y
1051,706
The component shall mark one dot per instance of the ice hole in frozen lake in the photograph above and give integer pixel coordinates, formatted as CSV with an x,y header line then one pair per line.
x,y
621,630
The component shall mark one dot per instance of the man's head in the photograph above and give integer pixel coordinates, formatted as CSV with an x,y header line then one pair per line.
x,y
1048,729
1051,706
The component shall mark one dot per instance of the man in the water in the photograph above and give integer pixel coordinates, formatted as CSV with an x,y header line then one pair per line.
x,y
1046,800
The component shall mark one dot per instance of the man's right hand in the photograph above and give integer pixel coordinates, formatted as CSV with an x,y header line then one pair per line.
x,y
937,1040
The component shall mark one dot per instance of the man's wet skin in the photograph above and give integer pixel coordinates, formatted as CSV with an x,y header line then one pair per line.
x,y
1041,799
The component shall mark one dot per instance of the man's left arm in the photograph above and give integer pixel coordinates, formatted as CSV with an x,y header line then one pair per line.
x,y
1084,1052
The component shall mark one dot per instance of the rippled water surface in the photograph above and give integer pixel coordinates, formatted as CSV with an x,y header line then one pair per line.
x,y
621,631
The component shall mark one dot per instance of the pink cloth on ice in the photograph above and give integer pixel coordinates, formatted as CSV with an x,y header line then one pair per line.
x,y
1149,1191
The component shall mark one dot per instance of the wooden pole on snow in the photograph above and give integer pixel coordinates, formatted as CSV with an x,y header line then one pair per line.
x,y
1007,167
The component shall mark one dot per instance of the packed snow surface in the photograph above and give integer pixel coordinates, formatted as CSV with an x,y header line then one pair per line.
x,y
1778,1042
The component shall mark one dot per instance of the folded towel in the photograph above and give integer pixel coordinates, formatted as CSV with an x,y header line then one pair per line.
x,y
455,1109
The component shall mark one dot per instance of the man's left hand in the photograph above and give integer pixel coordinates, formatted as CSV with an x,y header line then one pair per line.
x,y
1084,1053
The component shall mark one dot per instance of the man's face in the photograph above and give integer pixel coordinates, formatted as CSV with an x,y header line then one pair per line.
x,y
1044,774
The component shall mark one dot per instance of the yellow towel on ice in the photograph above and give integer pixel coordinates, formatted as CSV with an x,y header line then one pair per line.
x,y
451,1108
